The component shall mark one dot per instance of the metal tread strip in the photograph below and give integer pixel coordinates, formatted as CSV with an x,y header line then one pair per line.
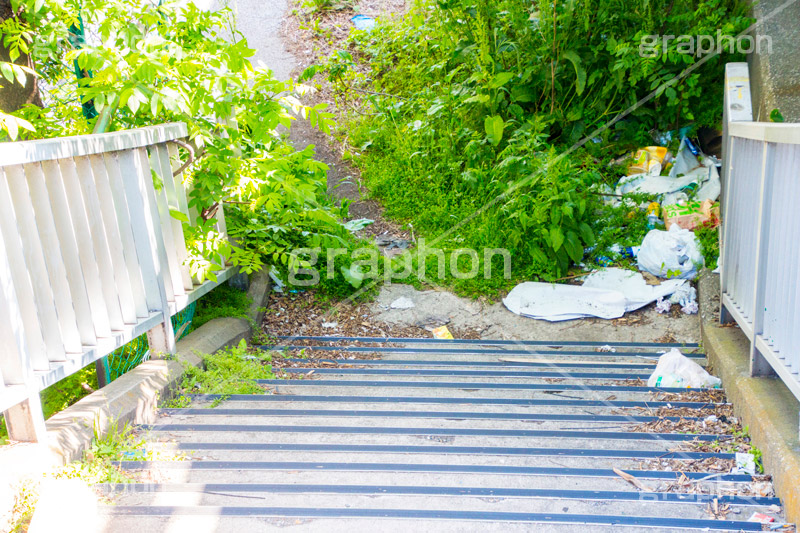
x,y
450,415
549,494
492,516
464,373
449,450
466,385
491,342
423,468
355,430
466,351
554,402
491,364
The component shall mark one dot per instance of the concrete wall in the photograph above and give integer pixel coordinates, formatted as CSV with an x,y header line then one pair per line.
x,y
775,74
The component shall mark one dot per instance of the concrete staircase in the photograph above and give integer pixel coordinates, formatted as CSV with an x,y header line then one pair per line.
x,y
427,439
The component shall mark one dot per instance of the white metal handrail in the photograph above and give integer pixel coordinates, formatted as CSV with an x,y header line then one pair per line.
x,y
90,257
760,261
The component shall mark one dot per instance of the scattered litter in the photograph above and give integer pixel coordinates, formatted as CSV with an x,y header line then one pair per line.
x,y
775,508
648,160
632,285
363,22
689,173
390,243
278,283
690,162
663,306
676,370
761,518
632,480
712,419
745,464
608,294
670,254
358,224
402,303
432,322
684,295
691,214
606,348
330,325
653,213
442,333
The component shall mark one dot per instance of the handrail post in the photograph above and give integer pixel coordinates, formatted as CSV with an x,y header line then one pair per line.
x,y
148,239
758,365
25,420
737,107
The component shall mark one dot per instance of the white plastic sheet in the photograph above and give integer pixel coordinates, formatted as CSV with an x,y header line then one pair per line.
x,y
607,294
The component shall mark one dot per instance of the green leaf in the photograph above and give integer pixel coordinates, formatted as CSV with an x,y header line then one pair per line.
x,y
775,116
556,238
7,71
586,234
494,129
179,215
500,79
580,73
573,247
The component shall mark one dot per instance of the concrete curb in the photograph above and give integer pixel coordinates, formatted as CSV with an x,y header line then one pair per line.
x,y
131,398
763,404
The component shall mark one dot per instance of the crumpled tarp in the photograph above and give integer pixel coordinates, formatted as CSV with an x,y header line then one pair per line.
x,y
608,293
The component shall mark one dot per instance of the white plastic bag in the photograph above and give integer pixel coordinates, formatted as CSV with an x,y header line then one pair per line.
x,y
676,370
670,254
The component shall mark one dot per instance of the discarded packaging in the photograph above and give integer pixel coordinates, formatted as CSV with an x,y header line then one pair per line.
x,y
632,285
363,22
402,303
691,215
648,160
442,333
663,306
670,254
745,464
688,174
678,371
358,224
761,518
608,293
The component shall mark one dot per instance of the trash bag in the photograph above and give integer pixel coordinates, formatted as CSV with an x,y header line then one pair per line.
x,y
676,370
670,254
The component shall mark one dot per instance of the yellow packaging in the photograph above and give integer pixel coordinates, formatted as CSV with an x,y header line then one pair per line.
x,y
442,333
647,160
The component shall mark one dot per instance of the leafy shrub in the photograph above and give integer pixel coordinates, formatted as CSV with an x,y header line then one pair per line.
x,y
146,63
475,109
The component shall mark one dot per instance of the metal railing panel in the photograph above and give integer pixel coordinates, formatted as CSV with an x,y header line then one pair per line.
x,y
92,257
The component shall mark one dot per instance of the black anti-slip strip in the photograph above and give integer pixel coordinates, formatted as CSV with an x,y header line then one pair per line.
x,y
492,342
552,402
431,468
449,415
464,373
465,385
468,351
550,494
450,450
490,364
491,516
464,432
